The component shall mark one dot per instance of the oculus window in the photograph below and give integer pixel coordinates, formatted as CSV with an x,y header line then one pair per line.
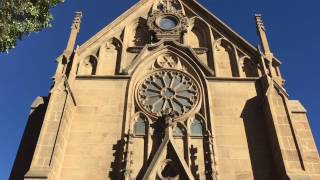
x,y
168,23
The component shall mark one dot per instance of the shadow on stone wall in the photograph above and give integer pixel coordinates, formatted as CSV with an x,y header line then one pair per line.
x,y
117,166
29,140
257,137
193,157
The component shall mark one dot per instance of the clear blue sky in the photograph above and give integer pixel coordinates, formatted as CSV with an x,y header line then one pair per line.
x,y
293,29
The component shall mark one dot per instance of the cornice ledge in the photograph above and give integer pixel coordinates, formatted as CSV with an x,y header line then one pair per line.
x,y
102,77
252,79
38,173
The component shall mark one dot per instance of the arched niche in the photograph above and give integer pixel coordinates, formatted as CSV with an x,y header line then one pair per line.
x,y
140,125
139,144
248,67
197,126
110,57
88,65
226,64
191,148
179,131
199,38
197,129
180,139
138,34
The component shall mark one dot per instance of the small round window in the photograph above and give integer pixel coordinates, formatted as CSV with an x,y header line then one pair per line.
x,y
168,22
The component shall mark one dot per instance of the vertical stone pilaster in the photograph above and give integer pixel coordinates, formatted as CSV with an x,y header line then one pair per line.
x,y
286,148
42,159
305,138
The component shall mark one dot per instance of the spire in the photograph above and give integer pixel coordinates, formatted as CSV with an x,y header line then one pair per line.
x,y
263,37
73,34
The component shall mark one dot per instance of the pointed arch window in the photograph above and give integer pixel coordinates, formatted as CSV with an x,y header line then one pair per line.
x,y
88,66
178,132
196,128
140,127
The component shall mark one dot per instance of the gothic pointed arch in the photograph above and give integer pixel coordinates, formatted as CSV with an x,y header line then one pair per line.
x,y
199,37
88,65
110,56
180,137
226,60
188,56
139,139
140,124
248,67
197,126
180,130
149,72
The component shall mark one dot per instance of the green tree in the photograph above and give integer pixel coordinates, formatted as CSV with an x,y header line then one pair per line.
x,y
19,18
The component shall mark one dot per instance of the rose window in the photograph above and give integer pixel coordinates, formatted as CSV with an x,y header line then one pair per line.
x,y
168,90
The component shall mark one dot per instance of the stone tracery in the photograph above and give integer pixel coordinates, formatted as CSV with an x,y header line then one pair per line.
x,y
168,89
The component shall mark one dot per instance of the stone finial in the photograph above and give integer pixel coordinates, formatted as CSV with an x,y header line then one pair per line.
x,y
259,22
263,36
77,20
75,27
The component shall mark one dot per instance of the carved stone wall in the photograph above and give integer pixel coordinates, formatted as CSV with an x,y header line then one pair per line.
x,y
167,91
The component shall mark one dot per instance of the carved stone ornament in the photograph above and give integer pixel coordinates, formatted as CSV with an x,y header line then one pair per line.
x,y
167,20
167,61
168,89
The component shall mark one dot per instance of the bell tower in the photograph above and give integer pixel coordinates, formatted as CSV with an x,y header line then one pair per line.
x,y
167,91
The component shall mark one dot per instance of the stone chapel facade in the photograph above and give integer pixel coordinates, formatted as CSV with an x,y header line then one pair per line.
x,y
167,91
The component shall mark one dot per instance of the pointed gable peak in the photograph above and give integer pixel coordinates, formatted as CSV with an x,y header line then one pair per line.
x,y
168,6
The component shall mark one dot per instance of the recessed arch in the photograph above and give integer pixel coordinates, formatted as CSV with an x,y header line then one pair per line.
x,y
197,126
179,130
199,33
225,57
248,67
140,124
88,65
199,37
110,56
138,71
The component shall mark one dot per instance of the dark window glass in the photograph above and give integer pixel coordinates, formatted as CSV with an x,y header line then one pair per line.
x,y
168,23
196,128
139,127
177,132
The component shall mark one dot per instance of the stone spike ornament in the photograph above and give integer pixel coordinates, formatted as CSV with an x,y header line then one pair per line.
x,y
75,28
263,36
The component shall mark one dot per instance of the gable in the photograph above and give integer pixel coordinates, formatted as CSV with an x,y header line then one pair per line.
x,y
216,45
192,8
